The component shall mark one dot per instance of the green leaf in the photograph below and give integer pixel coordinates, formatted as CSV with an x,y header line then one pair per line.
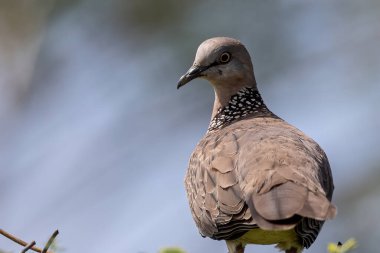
x,y
349,245
172,250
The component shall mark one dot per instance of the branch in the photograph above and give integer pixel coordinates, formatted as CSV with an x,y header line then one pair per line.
x,y
50,241
29,246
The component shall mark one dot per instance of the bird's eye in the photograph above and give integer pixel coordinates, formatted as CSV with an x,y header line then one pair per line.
x,y
225,57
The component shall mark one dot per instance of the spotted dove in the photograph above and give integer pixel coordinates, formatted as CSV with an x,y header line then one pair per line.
x,y
253,178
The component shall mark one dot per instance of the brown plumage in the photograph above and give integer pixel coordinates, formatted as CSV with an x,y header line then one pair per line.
x,y
253,178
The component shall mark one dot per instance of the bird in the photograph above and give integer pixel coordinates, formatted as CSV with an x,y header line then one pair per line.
x,y
253,178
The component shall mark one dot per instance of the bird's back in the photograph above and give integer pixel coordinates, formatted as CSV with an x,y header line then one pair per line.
x,y
259,172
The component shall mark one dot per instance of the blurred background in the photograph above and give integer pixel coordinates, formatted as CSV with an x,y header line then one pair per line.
x,y
95,138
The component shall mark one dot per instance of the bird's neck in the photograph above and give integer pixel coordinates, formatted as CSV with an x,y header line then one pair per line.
x,y
245,102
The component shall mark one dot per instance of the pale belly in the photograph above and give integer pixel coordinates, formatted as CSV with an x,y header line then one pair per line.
x,y
259,236
284,240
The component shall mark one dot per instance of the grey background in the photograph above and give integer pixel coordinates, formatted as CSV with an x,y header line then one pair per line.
x,y
95,138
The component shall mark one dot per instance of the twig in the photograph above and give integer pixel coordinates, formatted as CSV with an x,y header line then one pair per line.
x,y
28,247
19,241
50,241
25,244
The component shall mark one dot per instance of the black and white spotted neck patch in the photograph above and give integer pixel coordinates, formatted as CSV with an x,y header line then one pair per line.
x,y
246,102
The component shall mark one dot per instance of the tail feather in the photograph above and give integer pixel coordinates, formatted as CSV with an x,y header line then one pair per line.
x,y
283,206
281,202
318,207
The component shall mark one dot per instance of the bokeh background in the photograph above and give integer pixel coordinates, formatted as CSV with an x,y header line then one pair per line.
x,y
95,138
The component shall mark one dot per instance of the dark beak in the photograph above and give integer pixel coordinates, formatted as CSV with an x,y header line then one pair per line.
x,y
192,73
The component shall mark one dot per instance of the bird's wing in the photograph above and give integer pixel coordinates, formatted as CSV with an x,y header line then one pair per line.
x,y
284,174
259,171
216,199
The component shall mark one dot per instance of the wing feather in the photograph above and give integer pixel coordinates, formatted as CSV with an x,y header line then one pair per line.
x,y
259,172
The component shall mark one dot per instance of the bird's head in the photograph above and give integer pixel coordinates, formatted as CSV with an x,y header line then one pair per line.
x,y
224,62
